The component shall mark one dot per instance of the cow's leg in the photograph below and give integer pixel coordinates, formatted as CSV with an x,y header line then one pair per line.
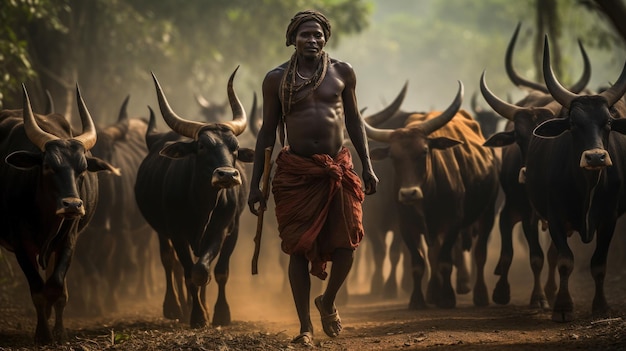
x,y
143,237
56,289
446,297
36,284
502,291
434,283
537,298
411,235
196,275
376,237
550,286
563,305
390,290
463,278
221,312
485,224
598,268
172,308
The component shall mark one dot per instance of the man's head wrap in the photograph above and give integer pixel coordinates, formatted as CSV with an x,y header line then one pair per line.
x,y
304,16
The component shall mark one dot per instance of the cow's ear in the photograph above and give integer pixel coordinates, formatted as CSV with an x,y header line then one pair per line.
x,y
95,164
379,153
24,160
245,154
552,128
443,143
618,125
500,139
178,149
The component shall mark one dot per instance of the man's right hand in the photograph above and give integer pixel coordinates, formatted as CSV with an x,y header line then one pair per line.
x,y
256,196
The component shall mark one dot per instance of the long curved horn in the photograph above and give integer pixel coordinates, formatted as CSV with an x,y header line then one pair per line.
x,y
49,103
558,92
255,119
123,115
181,126
618,89
433,124
584,79
502,107
382,135
119,130
36,135
239,122
511,72
381,116
89,136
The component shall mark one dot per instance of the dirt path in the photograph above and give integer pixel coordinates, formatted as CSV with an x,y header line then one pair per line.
x,y
264,317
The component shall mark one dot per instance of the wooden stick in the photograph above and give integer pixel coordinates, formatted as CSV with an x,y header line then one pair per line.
x,y
267,168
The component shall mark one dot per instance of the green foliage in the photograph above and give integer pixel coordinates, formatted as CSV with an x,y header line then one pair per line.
x,y
15,57
111,46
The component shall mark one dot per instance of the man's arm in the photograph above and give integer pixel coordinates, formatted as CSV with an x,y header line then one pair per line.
x,y
355,128
272,113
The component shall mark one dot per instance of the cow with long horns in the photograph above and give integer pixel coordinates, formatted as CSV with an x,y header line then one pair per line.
x,y
113,251
446,184
575,178
191,188
522,118
48,194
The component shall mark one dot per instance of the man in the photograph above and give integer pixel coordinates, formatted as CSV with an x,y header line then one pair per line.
x,y
318,195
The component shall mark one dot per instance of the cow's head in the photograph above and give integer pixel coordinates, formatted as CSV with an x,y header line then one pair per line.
x,y
410,148
215,145
590,118
63,160
524,118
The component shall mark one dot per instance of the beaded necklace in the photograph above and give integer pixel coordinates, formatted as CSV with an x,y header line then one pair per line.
x,y
288,85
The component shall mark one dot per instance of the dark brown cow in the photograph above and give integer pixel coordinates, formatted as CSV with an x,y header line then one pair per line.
x,y
115,246
48,194
191,188
446,183
575,178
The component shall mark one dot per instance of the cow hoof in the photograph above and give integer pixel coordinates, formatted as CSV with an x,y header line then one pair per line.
x,y
502,293
539,303
197,323
172,313
417,305
562,316
481,296
463,288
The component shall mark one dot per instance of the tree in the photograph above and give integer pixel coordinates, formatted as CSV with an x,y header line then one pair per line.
x,y
110,46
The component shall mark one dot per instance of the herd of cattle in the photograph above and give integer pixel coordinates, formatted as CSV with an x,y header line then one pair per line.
x,y
100,195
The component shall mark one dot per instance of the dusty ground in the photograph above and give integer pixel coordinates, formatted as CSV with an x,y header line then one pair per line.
x,y
264,318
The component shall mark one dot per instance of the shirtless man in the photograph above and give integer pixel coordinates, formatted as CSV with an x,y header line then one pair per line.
x,y
318,195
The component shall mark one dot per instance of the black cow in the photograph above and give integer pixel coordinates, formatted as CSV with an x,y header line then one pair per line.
x,y
48,194
575,178
115,246
522,117
538,107
191,188
446,184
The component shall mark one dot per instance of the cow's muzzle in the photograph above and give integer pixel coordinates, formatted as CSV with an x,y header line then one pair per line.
x,y
71,207
410,195
595,159
226,177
